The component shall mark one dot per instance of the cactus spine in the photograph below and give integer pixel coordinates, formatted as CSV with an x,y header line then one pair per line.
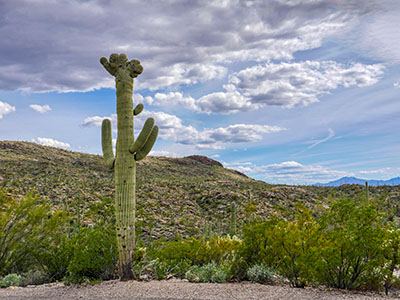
x,y
127,153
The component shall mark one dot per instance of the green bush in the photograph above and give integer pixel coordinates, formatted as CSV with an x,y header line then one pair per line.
x,y
26,226
55,255
220,275
10,280
94,255
290,247
350,246
194,250
157,269
260,274
211,272
352,255
176,257
294,245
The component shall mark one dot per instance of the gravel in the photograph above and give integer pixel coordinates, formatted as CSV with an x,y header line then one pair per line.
x,y
178,289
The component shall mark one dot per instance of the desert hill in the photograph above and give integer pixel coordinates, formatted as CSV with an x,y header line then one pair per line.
x,y
184,196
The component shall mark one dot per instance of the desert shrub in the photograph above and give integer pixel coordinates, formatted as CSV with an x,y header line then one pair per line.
x,y
290,247
26,225
219,276
391,252
193,249
34,277
55,254
94,254
211,272
295,245
352,255
260,274
157,269
255,248
178,256
10,280
223,248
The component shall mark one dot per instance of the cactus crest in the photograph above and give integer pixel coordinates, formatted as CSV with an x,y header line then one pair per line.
x,y
128,152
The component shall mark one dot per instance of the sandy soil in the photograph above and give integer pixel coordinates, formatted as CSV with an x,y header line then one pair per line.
x,y
178,289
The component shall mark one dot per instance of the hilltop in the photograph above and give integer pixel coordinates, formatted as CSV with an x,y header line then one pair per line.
x,y
184,196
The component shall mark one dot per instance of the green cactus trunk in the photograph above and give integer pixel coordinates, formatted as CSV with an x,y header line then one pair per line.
x,y
127,153
125,178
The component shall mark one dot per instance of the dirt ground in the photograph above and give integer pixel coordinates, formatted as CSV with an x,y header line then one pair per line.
x,y
179,289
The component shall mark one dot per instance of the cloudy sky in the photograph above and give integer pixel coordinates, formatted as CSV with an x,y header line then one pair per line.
x,y
286,91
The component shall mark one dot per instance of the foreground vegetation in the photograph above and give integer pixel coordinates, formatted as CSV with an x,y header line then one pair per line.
x,y
349,245
57,223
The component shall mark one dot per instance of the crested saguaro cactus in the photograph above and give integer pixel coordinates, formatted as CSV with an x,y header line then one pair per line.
x,y
128,152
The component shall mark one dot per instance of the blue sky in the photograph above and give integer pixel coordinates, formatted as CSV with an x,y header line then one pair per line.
x,y
286,91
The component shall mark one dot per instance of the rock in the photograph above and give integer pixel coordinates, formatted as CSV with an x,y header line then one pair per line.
x,y
145,277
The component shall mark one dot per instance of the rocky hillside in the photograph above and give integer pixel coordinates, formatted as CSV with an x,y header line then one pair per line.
x,y
185,196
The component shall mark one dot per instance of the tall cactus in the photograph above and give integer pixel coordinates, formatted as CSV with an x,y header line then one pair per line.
x,y
128,152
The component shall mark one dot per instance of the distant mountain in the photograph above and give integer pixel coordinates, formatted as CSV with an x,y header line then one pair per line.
x,y
354,180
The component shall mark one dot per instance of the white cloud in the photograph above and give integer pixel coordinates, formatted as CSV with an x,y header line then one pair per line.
x,y
172,129
5,108
182,73
377,171
170,99
396,84
51,142
163,153
241,133
380,34
290,172
97,120
227,102
287,84
40,108
330,135
178,42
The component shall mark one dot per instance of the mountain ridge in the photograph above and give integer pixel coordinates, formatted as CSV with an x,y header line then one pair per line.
x,y
355,180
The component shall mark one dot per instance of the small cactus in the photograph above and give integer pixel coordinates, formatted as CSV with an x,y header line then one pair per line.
x,y
128,152
233,219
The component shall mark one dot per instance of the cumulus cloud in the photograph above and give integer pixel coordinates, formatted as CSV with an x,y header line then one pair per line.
x,y
178,42
172,129
51,142
290,172
40,108
227,102
170,99
164,153
5,108
287,84
97,120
